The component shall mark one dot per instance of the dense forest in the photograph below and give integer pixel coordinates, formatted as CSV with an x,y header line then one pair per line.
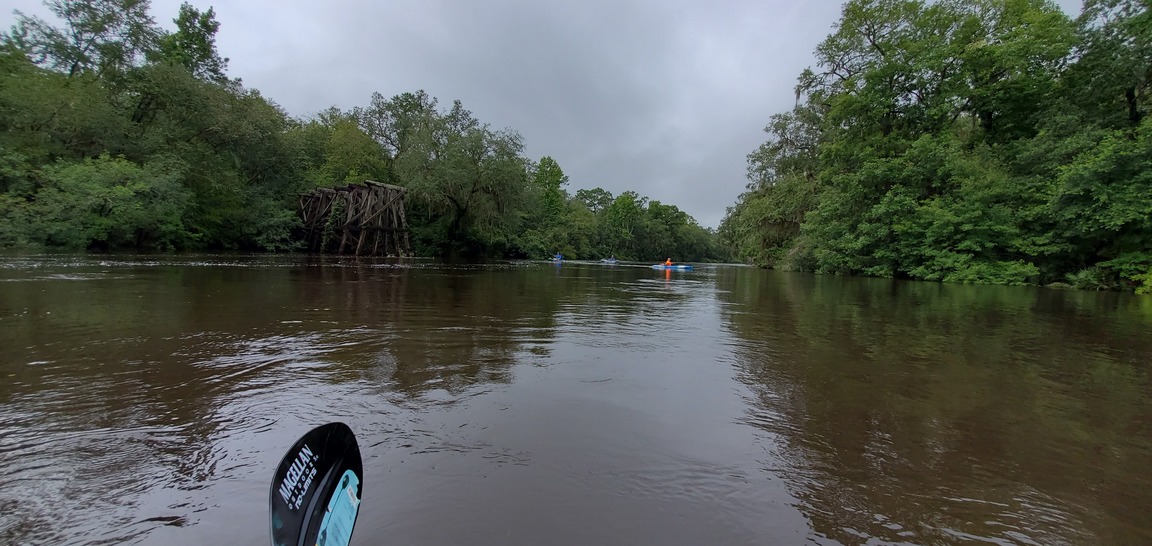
x,y
985,141
118,134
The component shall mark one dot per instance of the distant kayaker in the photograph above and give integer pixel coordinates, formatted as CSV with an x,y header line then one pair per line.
x,y
668,262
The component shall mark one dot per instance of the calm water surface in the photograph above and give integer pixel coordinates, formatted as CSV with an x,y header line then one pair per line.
x,y
147,400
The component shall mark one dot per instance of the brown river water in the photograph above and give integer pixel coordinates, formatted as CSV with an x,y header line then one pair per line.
x,y
148,399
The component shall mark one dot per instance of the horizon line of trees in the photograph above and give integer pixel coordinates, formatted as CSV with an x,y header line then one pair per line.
x,y
980,141
118,134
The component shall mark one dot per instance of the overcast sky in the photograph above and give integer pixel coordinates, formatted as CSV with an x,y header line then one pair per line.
x,y
663,97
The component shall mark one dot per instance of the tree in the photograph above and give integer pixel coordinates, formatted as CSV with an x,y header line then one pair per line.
x,y
623,224
100,37
550,181
110,202
114,134
399,125
1105,203
193,45
351,156
45,115
548,213
987,141
468,182
783,188
596,199
1113,76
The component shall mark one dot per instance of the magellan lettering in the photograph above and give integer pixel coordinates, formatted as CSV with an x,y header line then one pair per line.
x,y
302,465
304,487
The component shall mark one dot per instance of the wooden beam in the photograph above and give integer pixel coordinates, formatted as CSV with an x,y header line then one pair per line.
x,y
400,189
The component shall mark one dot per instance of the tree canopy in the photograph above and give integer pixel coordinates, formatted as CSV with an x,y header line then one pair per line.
x,y
971,141
116,133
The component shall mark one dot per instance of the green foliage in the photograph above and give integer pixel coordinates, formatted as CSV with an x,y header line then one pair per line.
x,y
1112,80
547,221
1092,278
105,38
193,45
467,182
109,202
783,189
550,180
595,199
336,217
1145,280
1104,200
45,115
1017,273
624,221
14,223
983,142
15,173
117,134
766,222
351,156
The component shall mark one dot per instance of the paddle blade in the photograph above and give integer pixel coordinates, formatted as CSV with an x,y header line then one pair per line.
x,y
316,492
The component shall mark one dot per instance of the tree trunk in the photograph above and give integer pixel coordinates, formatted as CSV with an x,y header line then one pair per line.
x,y
1133,107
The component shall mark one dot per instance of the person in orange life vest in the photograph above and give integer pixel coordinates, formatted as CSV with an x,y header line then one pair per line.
x,y
668,262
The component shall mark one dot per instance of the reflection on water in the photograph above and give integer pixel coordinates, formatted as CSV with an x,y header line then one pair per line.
x,y
926,413
147,400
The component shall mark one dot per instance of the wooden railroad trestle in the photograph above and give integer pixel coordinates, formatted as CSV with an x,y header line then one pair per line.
x,y
366,220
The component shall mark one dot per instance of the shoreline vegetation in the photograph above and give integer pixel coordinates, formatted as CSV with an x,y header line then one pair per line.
x,y
986,141
980,141
116,134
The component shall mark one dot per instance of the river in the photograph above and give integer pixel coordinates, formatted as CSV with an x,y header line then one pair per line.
x,y
148,399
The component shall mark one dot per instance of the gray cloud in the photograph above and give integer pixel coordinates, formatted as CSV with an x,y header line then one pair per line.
x,y
662,97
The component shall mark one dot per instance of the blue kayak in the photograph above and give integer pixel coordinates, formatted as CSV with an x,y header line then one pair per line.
x,y
674,267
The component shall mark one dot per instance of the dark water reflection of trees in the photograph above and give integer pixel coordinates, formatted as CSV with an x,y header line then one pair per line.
x,y
1009,414
453,326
